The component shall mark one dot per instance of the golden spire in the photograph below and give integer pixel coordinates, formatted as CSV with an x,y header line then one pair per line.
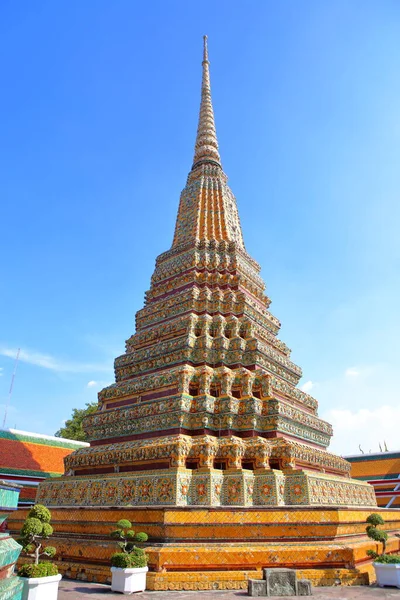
x,y
207,208
206,146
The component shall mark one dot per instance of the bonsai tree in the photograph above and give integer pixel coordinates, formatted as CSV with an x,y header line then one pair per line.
x,y
131,556
34,531
127,537
378,535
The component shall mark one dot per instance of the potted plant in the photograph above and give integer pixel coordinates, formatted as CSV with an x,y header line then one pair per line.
x,y
128,567
387,567
41,579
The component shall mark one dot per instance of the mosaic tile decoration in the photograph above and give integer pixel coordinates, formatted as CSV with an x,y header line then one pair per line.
x,y
205,408
328,540
209,487
10,585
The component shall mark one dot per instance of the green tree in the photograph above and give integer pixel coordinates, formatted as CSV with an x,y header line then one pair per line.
x,y
35,529
378,535
127,537
73,429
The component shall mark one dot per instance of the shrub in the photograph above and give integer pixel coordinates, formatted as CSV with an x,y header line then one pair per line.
x,y
47,530
375,519
376,534
50,551
121,560
45,569
379,536
124,524
138,560
134,560
127,537
138,552
36,529
387,559
40,512
31,527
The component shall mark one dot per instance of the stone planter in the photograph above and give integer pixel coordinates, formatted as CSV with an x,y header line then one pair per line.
x,y
127,581
40,588
387,574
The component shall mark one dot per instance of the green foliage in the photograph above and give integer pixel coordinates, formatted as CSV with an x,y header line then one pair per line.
x,y
50,551
117,533
124,524
127,537
375,519
120,560
45,569
387,559
135,560
26,548
138,552
40,512
47,530
36,529
73,428
376,534
31,527
130,534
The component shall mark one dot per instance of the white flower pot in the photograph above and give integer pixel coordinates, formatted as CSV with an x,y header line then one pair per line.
x,y
128,580
387,574
40,588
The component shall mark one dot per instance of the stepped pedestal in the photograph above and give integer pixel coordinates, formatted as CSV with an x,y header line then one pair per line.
x,y
220,548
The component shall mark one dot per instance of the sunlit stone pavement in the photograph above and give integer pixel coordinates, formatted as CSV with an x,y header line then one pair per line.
x,y
77,590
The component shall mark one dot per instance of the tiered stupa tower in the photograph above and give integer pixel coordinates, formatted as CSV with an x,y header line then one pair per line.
x,y
205,400
206,413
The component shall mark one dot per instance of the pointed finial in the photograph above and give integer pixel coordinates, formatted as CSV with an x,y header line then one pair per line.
x,y
206,147
205,51
207,208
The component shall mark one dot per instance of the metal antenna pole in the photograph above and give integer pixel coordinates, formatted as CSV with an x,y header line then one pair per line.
x,y
11,388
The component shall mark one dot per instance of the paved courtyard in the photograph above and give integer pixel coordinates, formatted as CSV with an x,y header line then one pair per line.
x,y
77,590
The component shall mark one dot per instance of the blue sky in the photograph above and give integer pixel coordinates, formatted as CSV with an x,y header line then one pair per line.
x,y
98,116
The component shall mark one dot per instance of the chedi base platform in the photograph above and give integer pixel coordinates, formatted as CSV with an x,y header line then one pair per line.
x,y
199,548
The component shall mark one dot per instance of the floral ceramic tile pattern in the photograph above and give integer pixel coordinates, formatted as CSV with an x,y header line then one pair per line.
x,y
205,409
204,440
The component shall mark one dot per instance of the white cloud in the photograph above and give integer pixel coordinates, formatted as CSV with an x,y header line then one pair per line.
x,y
364,408
1,371
364,427
98,384
307,386
46,361
352,372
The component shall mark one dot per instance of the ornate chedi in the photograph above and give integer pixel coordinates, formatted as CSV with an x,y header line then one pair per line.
x,y
204,437
205,408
